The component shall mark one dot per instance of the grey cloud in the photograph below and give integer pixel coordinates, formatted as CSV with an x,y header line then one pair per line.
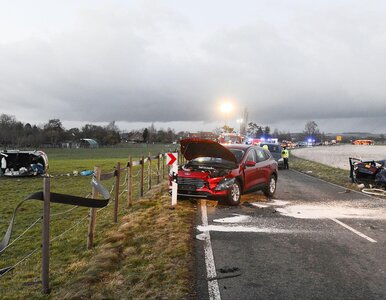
x,y
142,66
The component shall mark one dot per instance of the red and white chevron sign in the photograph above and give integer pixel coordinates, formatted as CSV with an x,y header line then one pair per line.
x,y
171,158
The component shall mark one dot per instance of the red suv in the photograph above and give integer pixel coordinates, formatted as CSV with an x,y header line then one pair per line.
x,y
224,172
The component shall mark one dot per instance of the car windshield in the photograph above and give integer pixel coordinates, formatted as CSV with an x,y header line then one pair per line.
x,y
238,154
274,148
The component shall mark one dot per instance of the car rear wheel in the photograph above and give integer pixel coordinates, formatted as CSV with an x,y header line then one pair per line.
x,y
234,194
270,188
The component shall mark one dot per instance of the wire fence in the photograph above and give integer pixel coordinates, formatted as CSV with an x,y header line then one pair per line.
x,y
130,181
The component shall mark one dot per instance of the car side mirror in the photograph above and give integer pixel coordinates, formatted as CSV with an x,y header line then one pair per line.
x,y
250,163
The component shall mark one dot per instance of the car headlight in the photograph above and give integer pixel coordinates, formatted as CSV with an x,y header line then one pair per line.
x,y
225,184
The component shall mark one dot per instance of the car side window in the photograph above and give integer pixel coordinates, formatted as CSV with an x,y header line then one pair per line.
x,y
267,155
261,155
251,156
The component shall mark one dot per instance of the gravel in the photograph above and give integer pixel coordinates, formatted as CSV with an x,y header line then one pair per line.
x,y
337,156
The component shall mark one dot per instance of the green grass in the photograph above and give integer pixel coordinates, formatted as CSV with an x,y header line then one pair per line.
x,y
68,253
149,256
330,174
120,151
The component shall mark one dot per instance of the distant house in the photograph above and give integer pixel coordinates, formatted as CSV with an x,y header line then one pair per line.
x,y
88,143
363,142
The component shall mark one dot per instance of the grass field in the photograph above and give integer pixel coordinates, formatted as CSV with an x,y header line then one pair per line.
x,y
68,251
148,254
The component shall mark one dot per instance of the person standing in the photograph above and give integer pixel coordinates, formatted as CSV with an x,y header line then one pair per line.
x,y
285,156
3,165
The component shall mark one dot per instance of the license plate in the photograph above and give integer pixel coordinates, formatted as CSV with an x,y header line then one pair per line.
x,y
186,187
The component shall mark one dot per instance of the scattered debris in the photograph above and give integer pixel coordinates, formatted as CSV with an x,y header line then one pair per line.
x,y
16,163
229,272
201,236
373,191
371,172
86,172
227,269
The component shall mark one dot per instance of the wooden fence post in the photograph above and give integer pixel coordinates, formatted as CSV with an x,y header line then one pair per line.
x,y
116,196
149,173
158,169
142,173
163,166
130,182
93,211
46,237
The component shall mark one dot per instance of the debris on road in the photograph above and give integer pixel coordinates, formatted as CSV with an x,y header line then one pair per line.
x,y
375,192
229,272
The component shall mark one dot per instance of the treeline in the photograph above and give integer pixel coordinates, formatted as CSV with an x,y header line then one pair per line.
x,y
14,133
153,135
311,131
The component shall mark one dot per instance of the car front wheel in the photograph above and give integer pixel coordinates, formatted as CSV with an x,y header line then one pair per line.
x,y
270,188
234,194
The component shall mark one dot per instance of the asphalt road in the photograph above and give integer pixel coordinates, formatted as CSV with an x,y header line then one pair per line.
x,y
314,240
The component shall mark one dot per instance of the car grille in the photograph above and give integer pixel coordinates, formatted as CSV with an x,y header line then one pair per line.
x,y
190,183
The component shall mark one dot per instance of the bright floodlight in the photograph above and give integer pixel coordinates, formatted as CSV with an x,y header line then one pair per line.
x,y
226,107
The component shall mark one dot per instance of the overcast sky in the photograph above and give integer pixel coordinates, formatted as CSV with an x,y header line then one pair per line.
x,y
172,62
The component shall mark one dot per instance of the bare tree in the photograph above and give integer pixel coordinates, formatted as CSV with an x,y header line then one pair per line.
x,y
311,128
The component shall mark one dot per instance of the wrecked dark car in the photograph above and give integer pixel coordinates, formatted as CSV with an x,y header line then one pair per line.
x,y
224,172
16,163
369,173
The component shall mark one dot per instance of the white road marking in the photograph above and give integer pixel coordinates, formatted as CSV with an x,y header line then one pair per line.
x,y
236,219
354,230
271,203
240,228
213,289
337,210
260,205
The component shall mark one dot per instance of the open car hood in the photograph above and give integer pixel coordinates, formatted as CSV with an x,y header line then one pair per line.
x,y
195,147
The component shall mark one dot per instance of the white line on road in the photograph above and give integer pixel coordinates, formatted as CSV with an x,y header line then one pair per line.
x,y
213,289
354,230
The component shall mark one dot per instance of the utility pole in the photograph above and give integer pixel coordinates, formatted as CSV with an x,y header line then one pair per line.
x,y
243,125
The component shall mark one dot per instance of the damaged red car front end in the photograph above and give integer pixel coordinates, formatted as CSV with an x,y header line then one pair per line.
x,y
224,172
